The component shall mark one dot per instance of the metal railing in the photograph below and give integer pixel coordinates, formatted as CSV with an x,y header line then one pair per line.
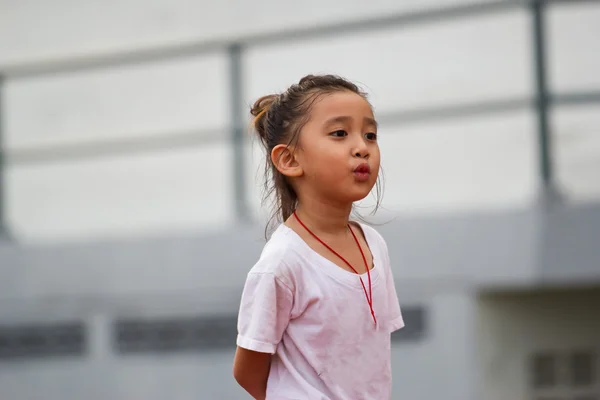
x,y
541,101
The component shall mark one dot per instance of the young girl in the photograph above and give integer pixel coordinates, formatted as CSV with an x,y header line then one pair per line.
x,y
319,306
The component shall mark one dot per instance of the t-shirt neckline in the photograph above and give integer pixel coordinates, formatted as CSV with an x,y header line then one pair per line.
x,y
332,269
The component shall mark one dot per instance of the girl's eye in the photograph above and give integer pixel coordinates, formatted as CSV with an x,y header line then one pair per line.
x,y
340,133
371,136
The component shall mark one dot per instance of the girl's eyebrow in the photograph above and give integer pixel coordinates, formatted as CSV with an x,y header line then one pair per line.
x,y
371,121
344,118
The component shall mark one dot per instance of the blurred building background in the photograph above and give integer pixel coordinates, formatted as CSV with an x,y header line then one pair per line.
x,y
129,190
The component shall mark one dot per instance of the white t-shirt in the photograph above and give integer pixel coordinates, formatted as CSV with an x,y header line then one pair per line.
x,y
314,318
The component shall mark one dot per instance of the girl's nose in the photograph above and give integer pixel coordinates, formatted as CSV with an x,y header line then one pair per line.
x,y
362,152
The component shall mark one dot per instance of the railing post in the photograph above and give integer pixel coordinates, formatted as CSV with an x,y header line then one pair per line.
x,y
4,233
237,131
542,98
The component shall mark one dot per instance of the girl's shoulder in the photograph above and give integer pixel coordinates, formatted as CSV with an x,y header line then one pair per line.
x,y
281,256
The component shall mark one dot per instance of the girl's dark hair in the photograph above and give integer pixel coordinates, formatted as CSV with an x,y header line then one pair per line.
x,y
278,119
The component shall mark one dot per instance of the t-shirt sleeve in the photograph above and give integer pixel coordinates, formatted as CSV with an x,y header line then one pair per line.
x,y
396,320
264,312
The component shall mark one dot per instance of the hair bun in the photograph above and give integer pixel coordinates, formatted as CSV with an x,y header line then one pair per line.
x,y
262,104
259,111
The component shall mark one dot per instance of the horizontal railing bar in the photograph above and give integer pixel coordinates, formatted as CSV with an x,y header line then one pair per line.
x,y
458,111
576,99
183,139
97,149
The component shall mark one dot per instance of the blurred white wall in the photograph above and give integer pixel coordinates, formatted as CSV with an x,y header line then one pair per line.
x,y
481,163
65,28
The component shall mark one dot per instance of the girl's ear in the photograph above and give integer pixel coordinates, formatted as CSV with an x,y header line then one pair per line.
x,y
284,159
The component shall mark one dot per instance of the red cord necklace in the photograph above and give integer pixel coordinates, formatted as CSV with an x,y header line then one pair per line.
x,y
368,295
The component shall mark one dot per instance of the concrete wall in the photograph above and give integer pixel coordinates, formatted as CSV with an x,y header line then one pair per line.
x,y
490,250
444,364
514,326
444,354
439,264
110,376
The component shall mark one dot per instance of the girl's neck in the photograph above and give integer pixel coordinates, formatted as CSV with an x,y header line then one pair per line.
x,y
325,218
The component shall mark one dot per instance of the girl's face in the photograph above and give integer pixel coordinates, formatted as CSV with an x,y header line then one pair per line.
x,y
337,149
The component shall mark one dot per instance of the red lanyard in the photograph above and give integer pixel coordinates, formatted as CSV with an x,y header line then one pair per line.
x,y
369,295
